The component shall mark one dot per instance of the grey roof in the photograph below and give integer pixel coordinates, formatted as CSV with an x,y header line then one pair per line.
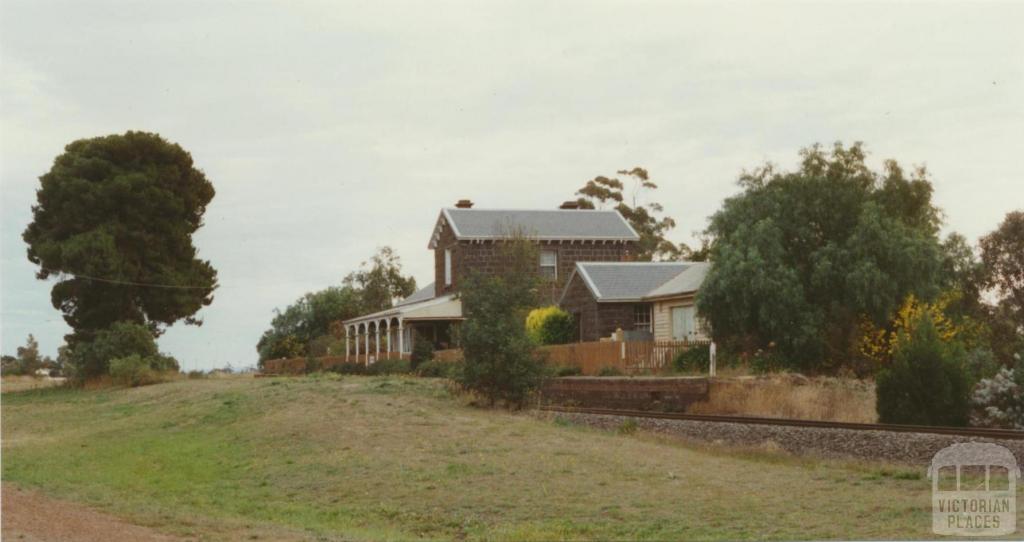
x,y
544,224
638,281
688,281
423,294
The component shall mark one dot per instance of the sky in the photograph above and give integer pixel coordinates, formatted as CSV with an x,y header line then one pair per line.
x,y
331,129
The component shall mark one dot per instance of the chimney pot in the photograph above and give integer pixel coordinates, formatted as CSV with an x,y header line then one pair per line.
x,y
570,205
464,204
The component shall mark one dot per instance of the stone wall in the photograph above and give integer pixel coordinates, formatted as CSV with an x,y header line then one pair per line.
x,y
594,320
660,394
486,257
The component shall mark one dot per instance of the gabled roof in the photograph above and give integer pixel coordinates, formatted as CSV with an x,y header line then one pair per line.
x,y
423,294
639,281
688,281
541,224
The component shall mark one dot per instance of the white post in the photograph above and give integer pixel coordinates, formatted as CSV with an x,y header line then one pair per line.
x,y
376,339
366,342
387,335
401,337
346,344
712,355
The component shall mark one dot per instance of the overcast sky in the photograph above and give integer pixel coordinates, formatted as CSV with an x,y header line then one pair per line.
x,y
331,129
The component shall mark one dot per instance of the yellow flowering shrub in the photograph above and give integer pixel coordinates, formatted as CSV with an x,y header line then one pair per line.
x,y
879,344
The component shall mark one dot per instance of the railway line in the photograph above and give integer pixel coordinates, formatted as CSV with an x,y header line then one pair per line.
x,y
1004,434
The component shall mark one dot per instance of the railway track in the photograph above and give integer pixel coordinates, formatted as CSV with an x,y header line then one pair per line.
x,y
958,431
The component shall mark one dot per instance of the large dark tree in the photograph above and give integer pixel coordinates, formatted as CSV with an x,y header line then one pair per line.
x,y
799,257
651,228
114,223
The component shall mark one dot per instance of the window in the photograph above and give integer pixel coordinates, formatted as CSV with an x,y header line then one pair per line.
x,y
642,317
447,267
684,323
549,264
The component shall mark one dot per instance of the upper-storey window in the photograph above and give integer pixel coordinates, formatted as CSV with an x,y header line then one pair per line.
x,y
447,267
549,264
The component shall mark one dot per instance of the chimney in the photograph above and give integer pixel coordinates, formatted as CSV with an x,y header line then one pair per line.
x,y
570,205
464,204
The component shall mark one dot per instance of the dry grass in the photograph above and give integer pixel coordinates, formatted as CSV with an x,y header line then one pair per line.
x,y
791,396
22,383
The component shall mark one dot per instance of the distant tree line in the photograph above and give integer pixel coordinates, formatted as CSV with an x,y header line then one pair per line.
x,y
312,325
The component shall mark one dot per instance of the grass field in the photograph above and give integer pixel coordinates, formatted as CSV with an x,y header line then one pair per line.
x,y
399,458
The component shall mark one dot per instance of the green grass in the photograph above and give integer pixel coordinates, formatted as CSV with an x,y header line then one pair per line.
x,y
398,458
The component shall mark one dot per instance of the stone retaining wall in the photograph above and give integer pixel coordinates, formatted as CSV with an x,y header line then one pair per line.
x,y
912,448
662,394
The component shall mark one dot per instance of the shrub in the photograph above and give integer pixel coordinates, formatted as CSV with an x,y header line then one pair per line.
x,y
348,368
550,325
926,383
695,359
122,339
133,370
389,367
196,374
999,401
568,370
422,351
436,369
764,362
610,370
499,361
313,365
981,364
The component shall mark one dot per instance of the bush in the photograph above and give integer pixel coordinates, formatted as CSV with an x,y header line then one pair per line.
x,y
348,368
422,351
981,364
694,359
389,367
926,383
133,370
313,365
568,370
999,401
610,370
122,339
550,325
436,369
498,356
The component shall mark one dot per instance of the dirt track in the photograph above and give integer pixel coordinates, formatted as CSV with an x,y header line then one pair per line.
x,y
34,517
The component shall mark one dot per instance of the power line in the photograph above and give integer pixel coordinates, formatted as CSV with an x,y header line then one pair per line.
x,y
131,283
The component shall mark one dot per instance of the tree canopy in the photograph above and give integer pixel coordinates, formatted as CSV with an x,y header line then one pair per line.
x,y
499,360
371,288
1002,252
644,218
113,222
799,257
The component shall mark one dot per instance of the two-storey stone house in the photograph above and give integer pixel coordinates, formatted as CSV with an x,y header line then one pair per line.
x,y
466,239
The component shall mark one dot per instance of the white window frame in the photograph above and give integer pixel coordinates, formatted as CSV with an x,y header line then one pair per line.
x,y
553,264
447,267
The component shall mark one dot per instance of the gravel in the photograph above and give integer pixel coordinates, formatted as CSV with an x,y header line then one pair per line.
x,y
912,448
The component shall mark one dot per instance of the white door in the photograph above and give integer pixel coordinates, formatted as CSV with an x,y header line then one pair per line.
x,y
684,323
